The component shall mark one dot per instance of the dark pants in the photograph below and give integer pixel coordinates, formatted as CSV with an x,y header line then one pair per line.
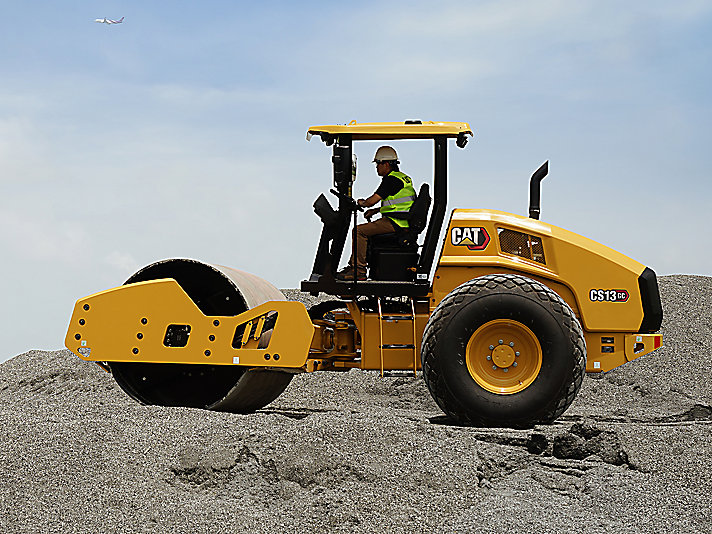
x,y
362,232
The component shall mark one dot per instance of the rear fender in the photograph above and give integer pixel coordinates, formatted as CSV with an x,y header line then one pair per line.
x,y
609,291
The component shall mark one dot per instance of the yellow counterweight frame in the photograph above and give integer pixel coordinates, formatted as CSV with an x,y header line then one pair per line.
x,y
131,323
361,347
606,351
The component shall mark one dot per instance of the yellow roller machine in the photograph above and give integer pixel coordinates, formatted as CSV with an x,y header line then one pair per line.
x,y
503,326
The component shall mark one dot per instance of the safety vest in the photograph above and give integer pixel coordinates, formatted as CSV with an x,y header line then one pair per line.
x,y
401,201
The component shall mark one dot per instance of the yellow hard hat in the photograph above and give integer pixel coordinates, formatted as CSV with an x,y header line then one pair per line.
x,y
386,153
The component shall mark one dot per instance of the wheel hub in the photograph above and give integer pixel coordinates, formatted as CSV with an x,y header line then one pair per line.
x,y
504,356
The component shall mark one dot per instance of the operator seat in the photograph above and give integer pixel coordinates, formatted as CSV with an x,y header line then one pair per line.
x,y
390,256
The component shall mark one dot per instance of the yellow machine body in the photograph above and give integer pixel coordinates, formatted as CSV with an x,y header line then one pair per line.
x,y
598,283
366,131
133,323
183,333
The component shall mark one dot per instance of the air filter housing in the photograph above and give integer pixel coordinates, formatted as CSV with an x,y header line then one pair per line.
x,y
521,244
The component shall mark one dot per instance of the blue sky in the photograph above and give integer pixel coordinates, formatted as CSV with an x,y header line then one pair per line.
x,y
180,133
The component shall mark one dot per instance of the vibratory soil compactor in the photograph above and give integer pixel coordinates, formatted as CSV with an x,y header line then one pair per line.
x,y
504,327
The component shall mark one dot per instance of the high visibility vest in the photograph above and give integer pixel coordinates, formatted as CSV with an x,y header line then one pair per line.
x,y
401,201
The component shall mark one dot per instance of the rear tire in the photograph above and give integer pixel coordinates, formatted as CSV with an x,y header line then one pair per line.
x,y
530,378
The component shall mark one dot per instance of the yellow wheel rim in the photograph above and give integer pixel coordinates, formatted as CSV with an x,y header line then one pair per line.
x,y
503,356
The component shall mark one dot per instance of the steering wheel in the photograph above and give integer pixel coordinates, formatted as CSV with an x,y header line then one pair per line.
x,y
348,199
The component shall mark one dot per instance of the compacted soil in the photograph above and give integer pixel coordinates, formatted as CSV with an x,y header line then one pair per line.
x,y
354,452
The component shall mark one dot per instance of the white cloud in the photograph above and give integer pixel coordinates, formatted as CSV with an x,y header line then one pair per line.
x,y
123,262
34,236
206,96
23,151
465,22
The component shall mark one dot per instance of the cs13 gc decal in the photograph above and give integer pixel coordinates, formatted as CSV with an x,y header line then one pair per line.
x,y
608,295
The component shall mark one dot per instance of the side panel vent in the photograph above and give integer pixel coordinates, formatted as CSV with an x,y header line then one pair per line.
x,y
522,245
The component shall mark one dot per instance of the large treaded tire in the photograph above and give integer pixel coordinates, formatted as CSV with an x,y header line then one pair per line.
x,y
503,298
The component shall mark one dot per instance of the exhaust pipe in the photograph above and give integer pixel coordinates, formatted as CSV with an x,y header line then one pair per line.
x,y
535,190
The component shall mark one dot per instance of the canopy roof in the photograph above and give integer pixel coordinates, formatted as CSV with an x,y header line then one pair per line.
x,y
393,130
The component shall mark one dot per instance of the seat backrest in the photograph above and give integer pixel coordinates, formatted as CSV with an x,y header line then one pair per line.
x,y
399,250
418,212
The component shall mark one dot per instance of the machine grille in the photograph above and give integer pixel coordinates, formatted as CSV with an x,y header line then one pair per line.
x,y
522,245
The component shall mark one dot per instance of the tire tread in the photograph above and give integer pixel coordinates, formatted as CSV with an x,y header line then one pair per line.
x,y
497,283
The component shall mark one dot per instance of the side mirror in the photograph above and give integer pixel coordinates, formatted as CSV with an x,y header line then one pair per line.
x,y
343,168
461,140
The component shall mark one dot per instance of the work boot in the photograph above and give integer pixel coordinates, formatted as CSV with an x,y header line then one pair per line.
x,y
347,273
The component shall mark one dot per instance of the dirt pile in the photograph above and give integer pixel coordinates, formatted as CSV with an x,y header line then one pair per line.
x,y
354,452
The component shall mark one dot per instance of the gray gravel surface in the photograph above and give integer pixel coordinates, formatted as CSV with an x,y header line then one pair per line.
x,y
354,452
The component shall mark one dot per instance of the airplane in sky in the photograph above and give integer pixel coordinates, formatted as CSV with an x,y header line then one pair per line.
x,y
110,21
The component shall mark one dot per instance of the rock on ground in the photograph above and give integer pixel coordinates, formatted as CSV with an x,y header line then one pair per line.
x,y
354,452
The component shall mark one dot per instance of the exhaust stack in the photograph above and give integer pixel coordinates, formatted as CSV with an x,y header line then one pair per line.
x,y
535,190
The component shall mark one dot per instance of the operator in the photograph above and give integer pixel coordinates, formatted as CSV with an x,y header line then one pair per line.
x,y
396,195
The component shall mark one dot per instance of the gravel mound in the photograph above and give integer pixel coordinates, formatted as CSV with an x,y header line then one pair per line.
x,y
354,452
